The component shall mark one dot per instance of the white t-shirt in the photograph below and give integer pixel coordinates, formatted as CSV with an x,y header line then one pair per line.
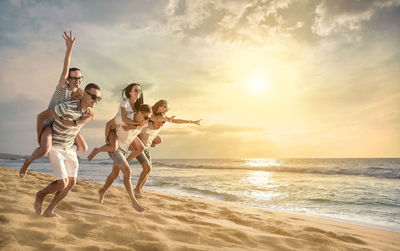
x,y
127,105
148,134
125,138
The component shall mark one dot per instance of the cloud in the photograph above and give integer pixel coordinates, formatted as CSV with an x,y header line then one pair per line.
x,y
335,16
213,129
255,22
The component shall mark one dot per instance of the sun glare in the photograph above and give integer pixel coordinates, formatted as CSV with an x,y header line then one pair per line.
x,y
258,83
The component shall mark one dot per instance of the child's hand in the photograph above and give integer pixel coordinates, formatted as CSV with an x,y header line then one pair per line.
x,y
67,122
143,125
197,122
77,95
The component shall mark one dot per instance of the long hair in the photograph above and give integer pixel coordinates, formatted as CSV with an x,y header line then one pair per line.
x,y
128,89
161,102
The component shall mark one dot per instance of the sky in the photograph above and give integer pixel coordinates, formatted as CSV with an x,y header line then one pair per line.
x,y
269,79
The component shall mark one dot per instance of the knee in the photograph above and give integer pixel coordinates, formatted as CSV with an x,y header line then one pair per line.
x,y
81,149
157,140
147,168
114,147
62,184
43,150
71,183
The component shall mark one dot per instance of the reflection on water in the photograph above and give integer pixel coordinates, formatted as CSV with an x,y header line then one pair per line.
x,y
261,162
261,186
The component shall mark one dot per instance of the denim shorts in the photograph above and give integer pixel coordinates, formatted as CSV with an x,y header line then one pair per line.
x,y
144,157
118,156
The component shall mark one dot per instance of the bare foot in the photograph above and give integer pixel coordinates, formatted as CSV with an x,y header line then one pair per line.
x,y
101,196
137,206
139,195
92,154
38,203
23,169
51,214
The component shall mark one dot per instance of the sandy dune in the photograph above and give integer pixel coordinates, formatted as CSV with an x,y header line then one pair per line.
x,y
169,223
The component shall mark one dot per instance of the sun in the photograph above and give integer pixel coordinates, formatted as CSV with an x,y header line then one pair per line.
x,y
258,83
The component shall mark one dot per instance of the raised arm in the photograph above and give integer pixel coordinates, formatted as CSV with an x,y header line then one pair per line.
x,y
69,42
48,114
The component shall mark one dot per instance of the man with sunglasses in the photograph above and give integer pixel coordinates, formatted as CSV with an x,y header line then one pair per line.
x,y
69,117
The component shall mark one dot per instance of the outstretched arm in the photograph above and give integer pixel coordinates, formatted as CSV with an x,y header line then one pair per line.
x,y
69,42
183,121
48,114
161,119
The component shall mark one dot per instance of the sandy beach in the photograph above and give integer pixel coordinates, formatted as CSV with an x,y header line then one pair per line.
x,y
169,223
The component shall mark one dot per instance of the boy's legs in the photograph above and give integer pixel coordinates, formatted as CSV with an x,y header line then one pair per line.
x,y
111,147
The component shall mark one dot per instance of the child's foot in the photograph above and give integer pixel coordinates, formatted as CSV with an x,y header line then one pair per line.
x,y
137,206
23,169
92,154
101,196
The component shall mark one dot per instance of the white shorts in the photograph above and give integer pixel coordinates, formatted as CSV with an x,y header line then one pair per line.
x,y
64,163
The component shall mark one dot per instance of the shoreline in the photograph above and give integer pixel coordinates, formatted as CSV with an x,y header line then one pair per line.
x,y
169,222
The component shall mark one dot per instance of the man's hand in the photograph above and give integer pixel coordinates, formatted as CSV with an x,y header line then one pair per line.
x,y
69,41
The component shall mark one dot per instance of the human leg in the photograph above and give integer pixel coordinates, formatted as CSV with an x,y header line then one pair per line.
x,y
110,179
112,146
80,144
43,149
126,170
60,195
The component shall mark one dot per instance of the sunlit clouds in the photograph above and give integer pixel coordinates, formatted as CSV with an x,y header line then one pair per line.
x,y
269,78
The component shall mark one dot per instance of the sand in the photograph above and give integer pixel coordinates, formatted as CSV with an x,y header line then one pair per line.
x,y
169,223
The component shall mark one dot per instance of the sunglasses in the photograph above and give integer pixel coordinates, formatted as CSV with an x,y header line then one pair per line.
x,y
94,97
76,79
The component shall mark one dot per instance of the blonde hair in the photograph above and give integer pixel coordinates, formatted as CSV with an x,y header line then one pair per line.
x,y
161,102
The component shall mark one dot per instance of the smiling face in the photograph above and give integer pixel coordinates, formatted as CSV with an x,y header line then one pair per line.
x,y
135,92
91,97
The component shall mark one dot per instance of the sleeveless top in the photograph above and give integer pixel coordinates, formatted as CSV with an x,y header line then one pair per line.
x,y
148,134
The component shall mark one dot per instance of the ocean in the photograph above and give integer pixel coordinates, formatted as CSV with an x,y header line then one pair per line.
x,y
359,191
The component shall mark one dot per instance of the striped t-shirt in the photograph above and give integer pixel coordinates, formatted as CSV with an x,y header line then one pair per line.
x,y
65,136
60,96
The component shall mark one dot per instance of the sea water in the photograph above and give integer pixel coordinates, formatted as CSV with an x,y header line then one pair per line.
x,y
361,191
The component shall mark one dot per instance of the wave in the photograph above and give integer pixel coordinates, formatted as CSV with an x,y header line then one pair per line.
x,y
390,173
